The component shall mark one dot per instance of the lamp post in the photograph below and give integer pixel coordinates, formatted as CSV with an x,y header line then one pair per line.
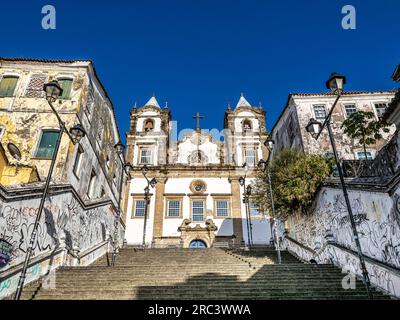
x,y
264,165
119,149
76,133
314,127
150,183
246,194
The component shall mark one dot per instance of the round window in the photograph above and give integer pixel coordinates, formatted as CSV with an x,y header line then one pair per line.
x,y
198,186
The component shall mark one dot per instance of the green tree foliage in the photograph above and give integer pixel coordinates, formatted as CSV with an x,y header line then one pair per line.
x,y
295,178
362,125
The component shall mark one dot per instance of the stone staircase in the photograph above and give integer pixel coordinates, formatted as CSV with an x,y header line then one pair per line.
x,y
198,274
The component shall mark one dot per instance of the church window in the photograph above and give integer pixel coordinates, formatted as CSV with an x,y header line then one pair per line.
x,y
246,125
174,207
149,125
145,156
250,157
198,186
222,208
8,85
254,209
140,207
198,210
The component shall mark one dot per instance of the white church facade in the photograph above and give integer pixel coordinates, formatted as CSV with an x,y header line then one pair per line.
x,y
195,198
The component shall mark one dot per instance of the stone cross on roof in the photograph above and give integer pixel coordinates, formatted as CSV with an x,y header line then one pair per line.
x,y
197,117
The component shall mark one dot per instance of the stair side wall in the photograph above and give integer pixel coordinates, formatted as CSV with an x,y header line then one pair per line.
x,y
377,216
64,224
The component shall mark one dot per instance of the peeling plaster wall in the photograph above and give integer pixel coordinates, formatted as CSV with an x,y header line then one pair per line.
x,y
300,110
24,119
63,217
377,216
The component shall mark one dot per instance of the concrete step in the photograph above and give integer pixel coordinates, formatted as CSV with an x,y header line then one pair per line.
x,y
198,274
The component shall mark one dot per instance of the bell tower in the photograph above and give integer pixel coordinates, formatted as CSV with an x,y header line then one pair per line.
x,y
245,133
147,138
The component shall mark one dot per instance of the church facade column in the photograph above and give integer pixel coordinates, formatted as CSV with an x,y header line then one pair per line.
x,y
237,211
159,210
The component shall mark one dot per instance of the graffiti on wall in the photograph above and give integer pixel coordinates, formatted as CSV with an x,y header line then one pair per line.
x,y
63,215
377,219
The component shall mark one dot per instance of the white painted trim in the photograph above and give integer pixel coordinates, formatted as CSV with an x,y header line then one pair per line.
x,y
3,129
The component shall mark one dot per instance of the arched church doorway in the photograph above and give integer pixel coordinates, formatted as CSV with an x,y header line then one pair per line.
x,y
197,244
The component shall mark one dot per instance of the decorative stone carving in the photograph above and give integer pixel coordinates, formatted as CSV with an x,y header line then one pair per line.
x,y
197,157
198,186
206,234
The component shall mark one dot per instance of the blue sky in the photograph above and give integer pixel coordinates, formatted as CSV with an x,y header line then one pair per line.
x,y
200,55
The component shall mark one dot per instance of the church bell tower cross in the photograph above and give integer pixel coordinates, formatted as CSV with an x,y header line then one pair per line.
x,y
197,117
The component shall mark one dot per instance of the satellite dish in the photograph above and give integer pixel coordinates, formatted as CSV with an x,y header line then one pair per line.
x,y
14,151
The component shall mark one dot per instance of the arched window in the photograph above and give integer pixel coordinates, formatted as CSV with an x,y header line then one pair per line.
x,y
246,125
197,244
149,125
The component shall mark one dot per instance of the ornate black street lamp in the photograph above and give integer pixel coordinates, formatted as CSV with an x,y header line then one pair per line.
x,y
335,83
76,133
150,183
126,167
264,165
246,200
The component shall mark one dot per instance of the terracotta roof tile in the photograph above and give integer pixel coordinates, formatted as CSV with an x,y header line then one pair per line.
x,y
346,93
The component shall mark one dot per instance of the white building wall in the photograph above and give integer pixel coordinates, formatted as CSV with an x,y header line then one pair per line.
x,y
208,148
134,226
261,230
301,109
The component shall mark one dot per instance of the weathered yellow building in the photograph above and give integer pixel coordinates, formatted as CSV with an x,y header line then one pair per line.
x,y
11,175
26,120
77,225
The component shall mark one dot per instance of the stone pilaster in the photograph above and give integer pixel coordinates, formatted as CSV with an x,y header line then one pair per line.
x,y
158,211
236,211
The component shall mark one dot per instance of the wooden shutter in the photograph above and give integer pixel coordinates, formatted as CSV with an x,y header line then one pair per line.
x,y
66,85
7,86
